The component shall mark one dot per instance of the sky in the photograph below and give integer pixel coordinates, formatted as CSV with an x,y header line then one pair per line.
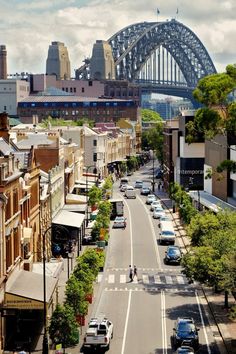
x,y
27,27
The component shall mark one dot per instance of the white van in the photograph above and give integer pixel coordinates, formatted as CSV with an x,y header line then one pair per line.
x,y
124,180
167,232
130,192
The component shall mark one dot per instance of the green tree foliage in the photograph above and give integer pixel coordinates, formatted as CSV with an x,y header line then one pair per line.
x,y
63,328
211,259
149,115
91,257
152,139
95,196
218,114
75,295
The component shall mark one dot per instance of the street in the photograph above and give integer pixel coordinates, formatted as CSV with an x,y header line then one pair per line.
x,y
144,311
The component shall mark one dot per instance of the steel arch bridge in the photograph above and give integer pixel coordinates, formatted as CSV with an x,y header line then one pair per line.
x,y
165,57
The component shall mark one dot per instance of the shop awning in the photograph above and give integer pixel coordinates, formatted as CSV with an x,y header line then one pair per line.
x,y
79,208
75,199
26,291
210,201
68,218
27,234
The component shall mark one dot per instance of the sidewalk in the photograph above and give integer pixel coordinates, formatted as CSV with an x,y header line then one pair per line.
x,y
224,330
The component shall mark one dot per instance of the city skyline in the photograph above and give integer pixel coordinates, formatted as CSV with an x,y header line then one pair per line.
x,y
28,30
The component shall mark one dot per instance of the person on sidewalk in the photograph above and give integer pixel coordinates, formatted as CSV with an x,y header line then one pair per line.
x,y
130,273
135,272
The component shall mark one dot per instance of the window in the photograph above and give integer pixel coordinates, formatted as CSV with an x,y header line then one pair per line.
x,y
95,143
95,157
74,89
71,89
5,108
82,89
90,83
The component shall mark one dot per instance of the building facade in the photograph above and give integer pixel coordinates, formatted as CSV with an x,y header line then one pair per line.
x,y
11,92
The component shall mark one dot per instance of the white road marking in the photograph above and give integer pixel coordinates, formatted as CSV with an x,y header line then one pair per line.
x,y
131,234
157,279
123,278
203,323
126,323
180,279
153,232
111,278
145,279
169,279
163,322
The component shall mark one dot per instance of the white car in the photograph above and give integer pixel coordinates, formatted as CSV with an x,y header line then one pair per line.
x,y
123,187
165,218
119,222
154,204
158,212
150,198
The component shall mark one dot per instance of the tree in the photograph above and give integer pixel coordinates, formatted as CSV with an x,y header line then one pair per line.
x,y
91,258
149,115
200,226
95,196
75,295
152,139
63,328
218,114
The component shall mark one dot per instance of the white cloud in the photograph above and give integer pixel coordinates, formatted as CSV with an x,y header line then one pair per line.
x,y
28,31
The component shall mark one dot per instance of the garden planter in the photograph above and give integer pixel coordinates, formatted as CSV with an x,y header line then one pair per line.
x,y
81,320
93,207
89,298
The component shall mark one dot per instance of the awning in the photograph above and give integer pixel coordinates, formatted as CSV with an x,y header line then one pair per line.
x,y
90,181
26,291
210,201
79,208
27,234
53,268
75,199
68,218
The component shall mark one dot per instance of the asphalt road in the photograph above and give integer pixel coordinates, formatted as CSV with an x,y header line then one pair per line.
x,y
144,311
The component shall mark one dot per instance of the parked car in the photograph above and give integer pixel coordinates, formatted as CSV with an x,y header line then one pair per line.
x,y
150,198
185,349
173,255
129,173
119,222
130,192
123,187
185,331
155,203
138,184
165,218
145,191
158,212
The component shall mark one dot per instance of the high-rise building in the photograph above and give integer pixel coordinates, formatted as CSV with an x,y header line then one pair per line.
x,y
3,62
102,66
58,62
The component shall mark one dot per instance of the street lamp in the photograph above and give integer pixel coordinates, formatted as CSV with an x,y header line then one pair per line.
x,y
45,334
87,169
153,175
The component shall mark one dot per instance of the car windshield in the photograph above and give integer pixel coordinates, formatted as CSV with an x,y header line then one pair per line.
x,y
167,233
186,327
118,219
173,251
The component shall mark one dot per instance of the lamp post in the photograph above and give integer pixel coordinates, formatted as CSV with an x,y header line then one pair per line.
x,y
45,334
153,175
87,169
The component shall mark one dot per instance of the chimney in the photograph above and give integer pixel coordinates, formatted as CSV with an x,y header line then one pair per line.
x,y
3,62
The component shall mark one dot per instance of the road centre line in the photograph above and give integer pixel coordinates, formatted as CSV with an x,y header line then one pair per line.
x,y
153,233
131,234
126,323
203,323
163,322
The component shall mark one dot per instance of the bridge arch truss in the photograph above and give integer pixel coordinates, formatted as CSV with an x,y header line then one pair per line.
x,y
165,53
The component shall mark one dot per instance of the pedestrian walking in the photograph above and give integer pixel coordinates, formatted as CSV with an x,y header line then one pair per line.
x,y
135,272
131,273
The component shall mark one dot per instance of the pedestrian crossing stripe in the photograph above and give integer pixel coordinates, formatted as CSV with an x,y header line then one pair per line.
x,y
144,278
149,290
